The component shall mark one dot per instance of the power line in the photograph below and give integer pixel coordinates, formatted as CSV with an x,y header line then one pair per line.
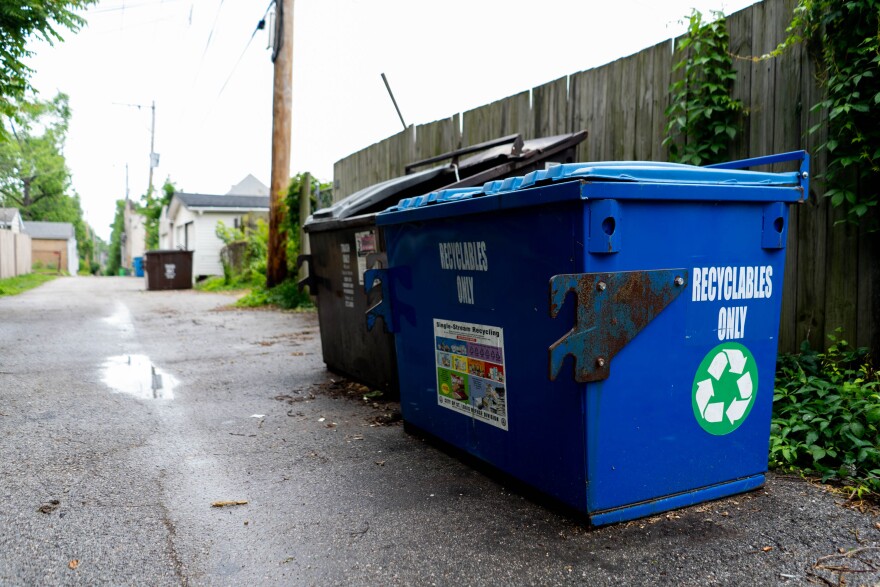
x,y
123,7
208,44
260,25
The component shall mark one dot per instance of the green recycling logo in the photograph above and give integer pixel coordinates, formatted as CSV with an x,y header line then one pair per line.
x,y
724,388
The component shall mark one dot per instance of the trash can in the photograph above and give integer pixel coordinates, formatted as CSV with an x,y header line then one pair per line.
x,y
138,263
603,332
168,269
344,242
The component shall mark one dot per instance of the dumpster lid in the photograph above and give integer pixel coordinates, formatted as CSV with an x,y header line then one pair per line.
x,y
493,159
646,172
166,251
374,194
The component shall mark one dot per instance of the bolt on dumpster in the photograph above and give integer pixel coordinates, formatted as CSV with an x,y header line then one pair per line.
x,y
603,332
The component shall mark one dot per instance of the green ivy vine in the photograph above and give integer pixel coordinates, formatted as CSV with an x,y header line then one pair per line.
x,y
702,117
844,38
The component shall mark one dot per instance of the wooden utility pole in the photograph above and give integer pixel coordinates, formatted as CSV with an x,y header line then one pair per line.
x,y
282,97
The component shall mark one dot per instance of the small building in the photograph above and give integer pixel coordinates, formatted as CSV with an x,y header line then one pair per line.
x,y
134,242
10,219
189,222
53,244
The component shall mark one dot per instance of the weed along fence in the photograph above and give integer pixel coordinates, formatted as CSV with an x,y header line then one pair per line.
x,y
15,254
832,277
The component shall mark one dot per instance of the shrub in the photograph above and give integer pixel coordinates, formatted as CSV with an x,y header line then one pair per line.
x,y
826,416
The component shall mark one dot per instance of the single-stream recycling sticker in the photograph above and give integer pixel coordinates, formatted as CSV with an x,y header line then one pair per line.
x,y
724,389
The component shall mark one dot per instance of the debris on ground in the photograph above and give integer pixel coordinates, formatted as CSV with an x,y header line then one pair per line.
x,y
386,419
49,507
223,504
73,564
858,560
294,399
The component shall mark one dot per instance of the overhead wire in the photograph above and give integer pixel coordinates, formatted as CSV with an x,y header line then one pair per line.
x,y
260,25
125,6
208,43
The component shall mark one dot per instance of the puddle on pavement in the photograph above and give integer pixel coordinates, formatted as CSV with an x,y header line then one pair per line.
x,y
121,319
136,375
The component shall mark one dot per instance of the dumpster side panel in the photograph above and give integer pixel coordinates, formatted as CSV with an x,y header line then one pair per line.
x,y
338,262
490,272
645,439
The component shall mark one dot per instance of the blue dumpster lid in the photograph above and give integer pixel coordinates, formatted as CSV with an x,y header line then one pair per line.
x,y
635,174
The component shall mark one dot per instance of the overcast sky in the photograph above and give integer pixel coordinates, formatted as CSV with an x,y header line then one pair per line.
x,y
440,59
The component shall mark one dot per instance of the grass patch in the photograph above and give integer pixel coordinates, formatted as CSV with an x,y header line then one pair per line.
x,y
218,283
15,285
826,417
285,295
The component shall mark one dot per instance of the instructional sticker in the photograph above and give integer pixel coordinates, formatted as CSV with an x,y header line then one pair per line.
x,y
364,244
347,276
724,389
470,370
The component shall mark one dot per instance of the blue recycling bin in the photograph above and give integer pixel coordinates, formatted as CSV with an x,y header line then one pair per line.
x,y
138,263
603,332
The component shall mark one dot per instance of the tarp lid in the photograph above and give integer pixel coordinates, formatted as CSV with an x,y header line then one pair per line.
x,y
610,171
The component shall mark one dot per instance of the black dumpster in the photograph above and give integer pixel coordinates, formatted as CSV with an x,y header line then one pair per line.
x,y
169,269
345,242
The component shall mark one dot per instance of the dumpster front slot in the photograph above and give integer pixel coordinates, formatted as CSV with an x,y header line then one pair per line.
x,y
382,308
612,308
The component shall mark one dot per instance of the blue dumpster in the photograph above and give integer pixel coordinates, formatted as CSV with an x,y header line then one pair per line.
x,y
603,332
138,263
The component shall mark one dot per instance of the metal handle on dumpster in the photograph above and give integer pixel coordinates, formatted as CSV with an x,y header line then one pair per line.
x,y
382,309
801,156
309,280
612,308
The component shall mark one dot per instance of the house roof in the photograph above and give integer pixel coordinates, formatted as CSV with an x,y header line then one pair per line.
x,y
249,186
228,201
50,230
8,214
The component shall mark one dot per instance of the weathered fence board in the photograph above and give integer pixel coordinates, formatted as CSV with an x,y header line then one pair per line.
x,y
438,137
662,64
15,254
7,254
831,277
550,108
22,254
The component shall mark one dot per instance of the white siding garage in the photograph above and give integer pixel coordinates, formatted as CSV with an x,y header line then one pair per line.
x,y
190,222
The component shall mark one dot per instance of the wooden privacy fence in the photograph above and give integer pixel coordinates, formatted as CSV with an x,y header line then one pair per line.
x,y
15,254
832,277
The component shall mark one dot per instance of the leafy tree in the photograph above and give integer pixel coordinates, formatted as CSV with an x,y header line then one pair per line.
x,y
32,163
33,171
152,206
20,22
118,226
291,218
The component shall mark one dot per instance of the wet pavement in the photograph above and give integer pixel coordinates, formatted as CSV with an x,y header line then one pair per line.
x,y
124,415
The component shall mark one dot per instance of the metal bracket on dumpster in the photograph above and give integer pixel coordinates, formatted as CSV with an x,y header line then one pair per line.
x,y
309,280
612,308
382,309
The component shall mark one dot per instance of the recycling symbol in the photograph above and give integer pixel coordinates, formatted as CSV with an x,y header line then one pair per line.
x,y
725,387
